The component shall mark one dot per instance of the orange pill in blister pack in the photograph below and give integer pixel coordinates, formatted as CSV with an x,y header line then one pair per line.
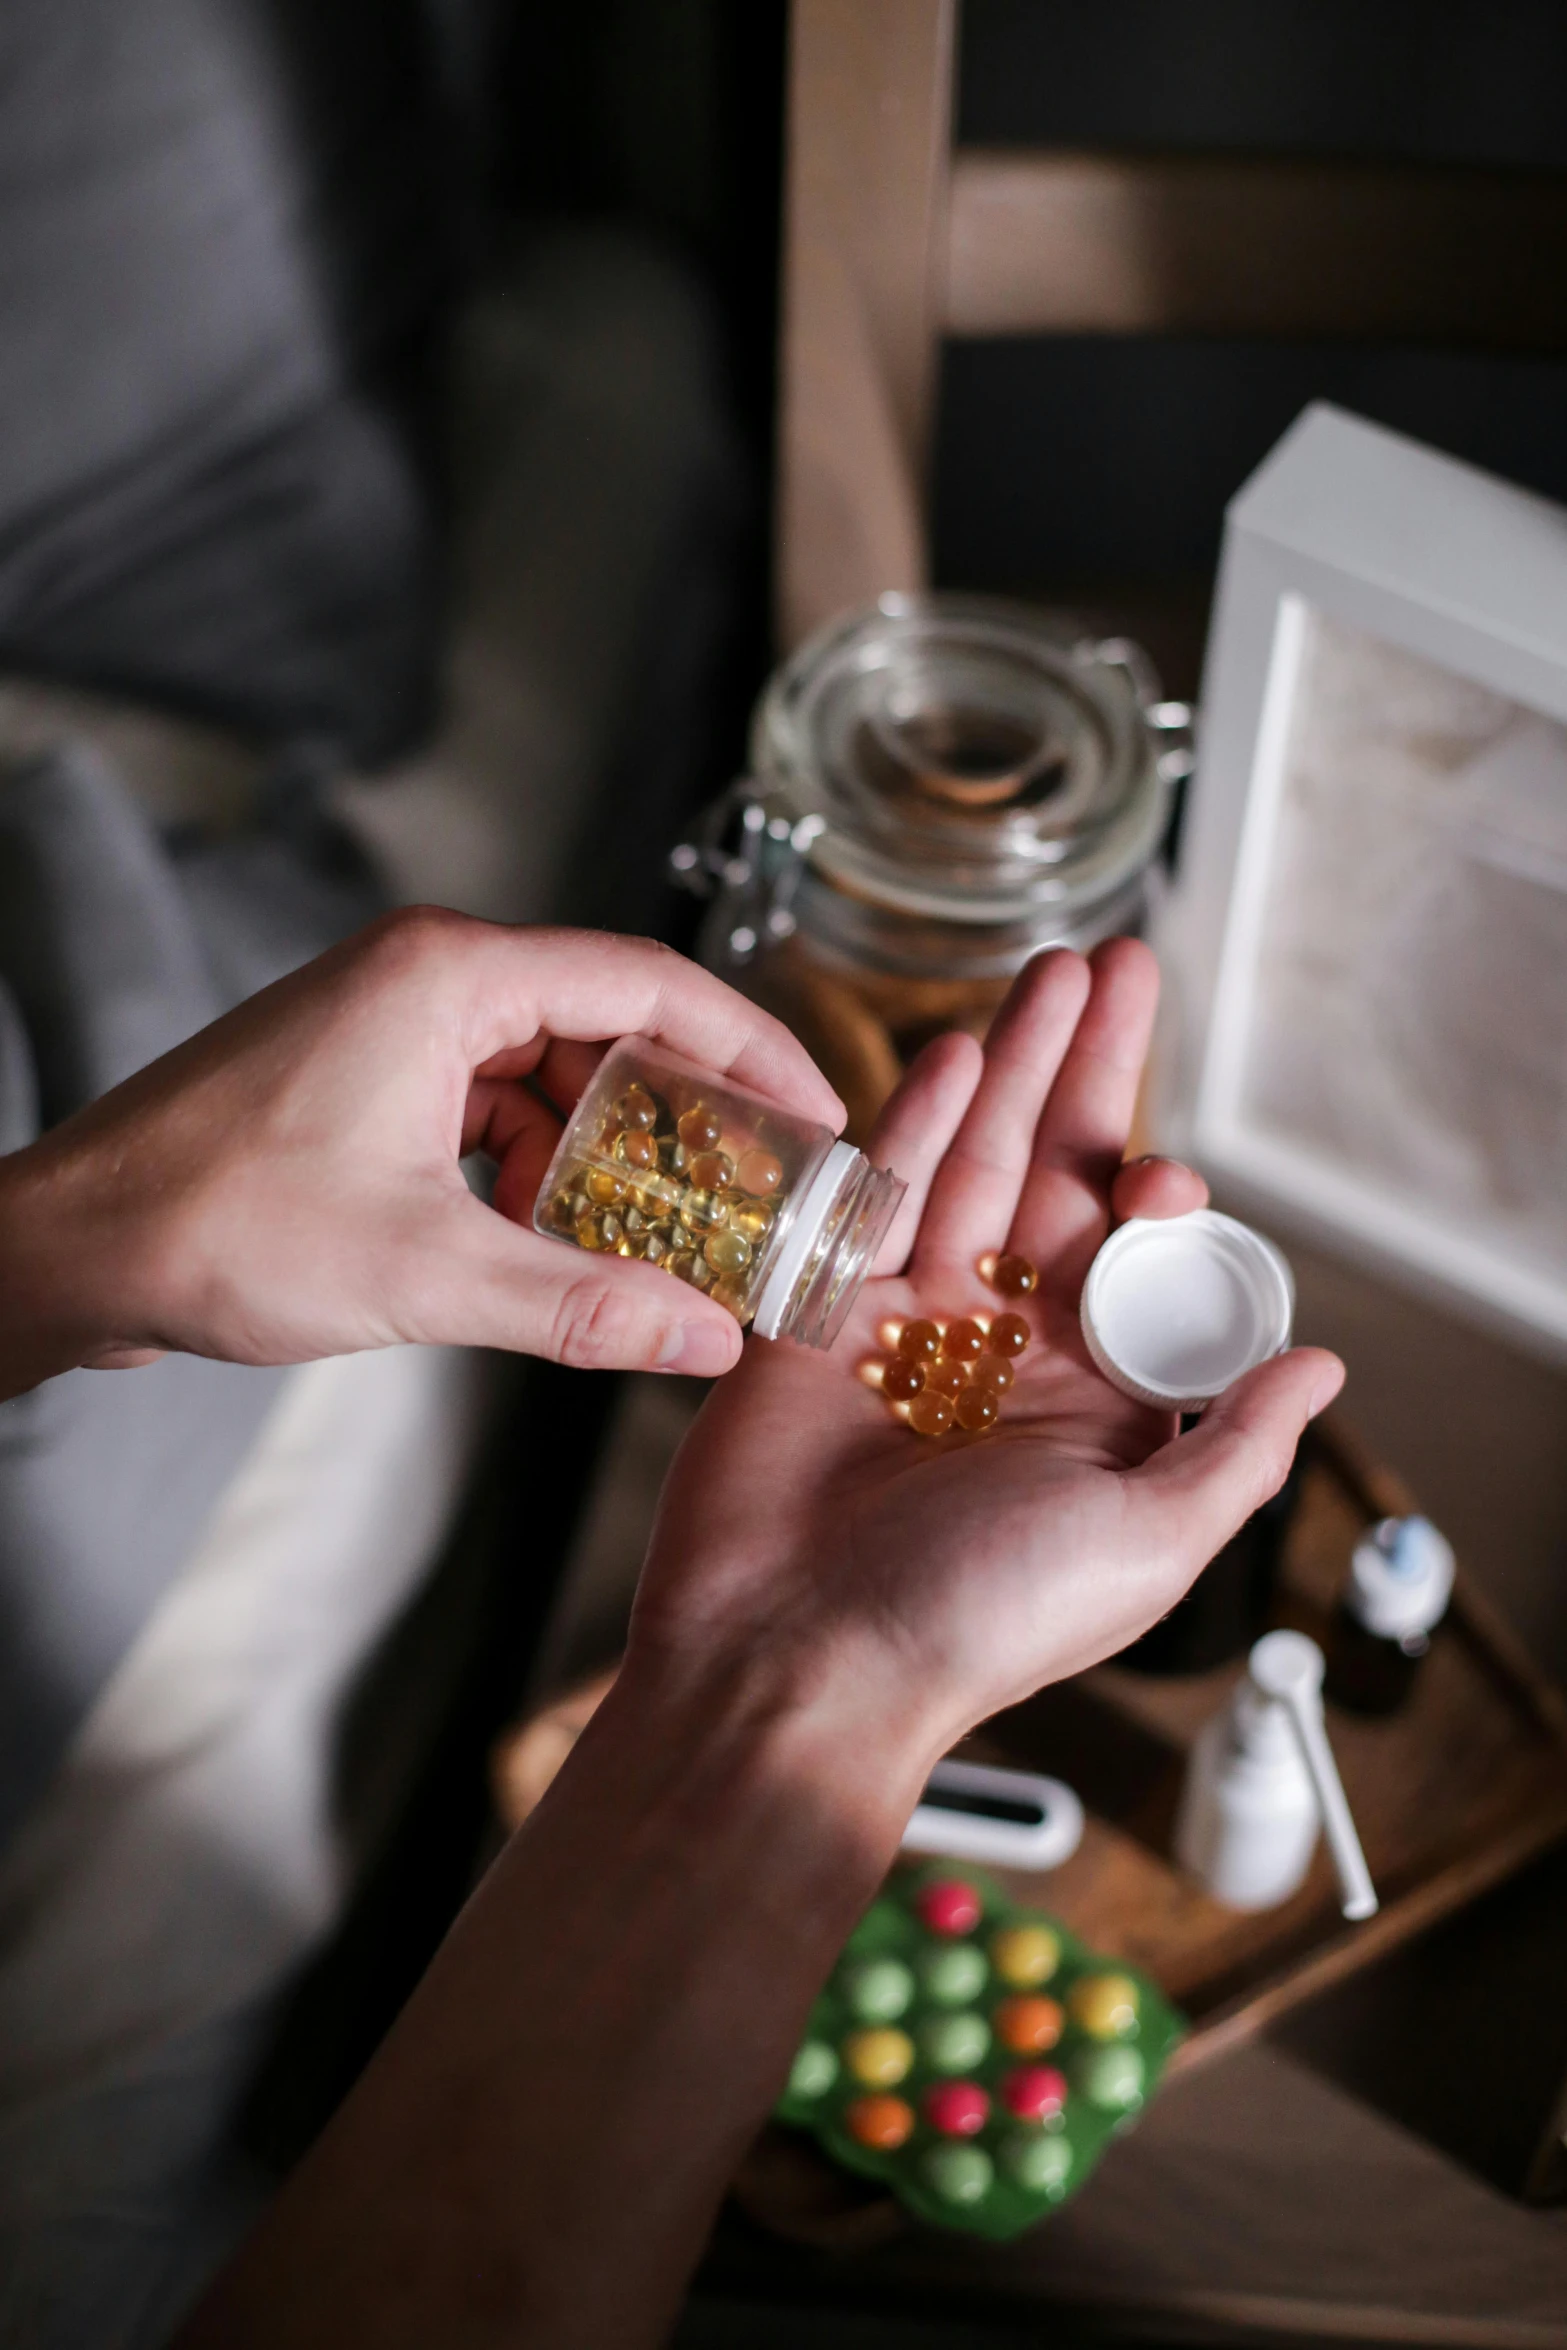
x,y
882,2122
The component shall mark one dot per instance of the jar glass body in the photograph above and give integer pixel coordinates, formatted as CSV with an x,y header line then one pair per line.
x,y
939,787
764,1211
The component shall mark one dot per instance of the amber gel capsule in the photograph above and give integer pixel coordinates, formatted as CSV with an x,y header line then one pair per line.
x,y
977,1409
1009,1334
699,1129
964,1342
1015,1277
919,1341
994,1372
947,1379
902,1380
634,1148
637,1109
930,1414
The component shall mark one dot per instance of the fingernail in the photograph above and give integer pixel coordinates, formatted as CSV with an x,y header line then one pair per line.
x,y
1325,1390
700,1350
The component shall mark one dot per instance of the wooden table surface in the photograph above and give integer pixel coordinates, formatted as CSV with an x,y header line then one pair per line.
x,y
1347,2178
1257,2197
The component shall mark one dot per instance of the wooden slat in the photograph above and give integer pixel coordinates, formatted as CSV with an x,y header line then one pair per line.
x,y
1082,243
870,102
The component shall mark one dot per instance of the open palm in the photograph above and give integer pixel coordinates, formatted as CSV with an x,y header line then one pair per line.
x,y
977,1568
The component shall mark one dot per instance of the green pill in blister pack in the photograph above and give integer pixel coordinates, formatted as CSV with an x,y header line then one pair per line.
x,y
974,2056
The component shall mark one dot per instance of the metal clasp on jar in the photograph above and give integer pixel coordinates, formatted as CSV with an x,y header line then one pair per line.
x,y
1174,722
747,858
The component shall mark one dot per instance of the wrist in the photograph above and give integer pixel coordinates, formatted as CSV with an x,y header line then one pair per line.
x,y
57,1274
826,1728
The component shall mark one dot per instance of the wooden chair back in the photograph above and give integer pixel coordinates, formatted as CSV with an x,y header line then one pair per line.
x,y
894,239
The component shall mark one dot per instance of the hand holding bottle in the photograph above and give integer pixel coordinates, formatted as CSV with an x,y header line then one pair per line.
x,y
287,1184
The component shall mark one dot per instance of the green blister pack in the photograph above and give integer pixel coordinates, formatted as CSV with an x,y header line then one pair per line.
x,y
972,2055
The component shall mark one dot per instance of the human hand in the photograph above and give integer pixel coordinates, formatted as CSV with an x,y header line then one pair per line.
x,y
804,1523
287,1185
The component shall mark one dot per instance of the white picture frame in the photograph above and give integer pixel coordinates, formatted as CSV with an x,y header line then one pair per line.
x,y
1365,944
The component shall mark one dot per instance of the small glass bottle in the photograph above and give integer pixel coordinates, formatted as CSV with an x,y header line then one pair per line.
x,y
1400,1581
765,1211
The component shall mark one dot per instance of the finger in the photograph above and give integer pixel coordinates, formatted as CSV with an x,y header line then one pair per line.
x,y
484,1281
1199,1489
517,985
1156,1187
557,1066
497,1112
974,1193
567,1070
1063,1211
914,1130
522,1167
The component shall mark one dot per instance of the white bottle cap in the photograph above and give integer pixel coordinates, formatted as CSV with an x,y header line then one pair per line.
x,y
1175,1308
1401,1578
804,1231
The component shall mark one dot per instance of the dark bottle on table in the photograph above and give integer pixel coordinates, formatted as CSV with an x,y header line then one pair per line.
x,y
1400,1581
1229,1605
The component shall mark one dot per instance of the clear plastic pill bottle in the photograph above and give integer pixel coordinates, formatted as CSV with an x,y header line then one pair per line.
x,y
766,1212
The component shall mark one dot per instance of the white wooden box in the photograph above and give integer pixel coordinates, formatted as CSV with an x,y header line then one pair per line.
x,y
1366,943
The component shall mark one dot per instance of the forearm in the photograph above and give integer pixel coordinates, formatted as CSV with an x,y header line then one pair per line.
x,y
537,2153
57,1299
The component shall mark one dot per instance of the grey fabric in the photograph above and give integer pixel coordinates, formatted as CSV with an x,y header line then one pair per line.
x,y
96,945
156,2192
227,231
111,952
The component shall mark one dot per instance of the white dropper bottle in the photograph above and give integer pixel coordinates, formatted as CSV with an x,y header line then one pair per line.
x,y
1262,1783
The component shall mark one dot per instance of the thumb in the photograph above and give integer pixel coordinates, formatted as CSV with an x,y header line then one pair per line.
x,y
1201,1488
497,1285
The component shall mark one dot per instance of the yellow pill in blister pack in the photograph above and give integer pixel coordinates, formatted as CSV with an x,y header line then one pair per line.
x,y
880,2058
1025,1955
1104,2006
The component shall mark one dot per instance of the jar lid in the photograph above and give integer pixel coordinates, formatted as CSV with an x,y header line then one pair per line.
x,y
960,759
1176,1308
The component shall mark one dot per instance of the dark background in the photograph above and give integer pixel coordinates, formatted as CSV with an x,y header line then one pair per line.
x,y
1074,467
